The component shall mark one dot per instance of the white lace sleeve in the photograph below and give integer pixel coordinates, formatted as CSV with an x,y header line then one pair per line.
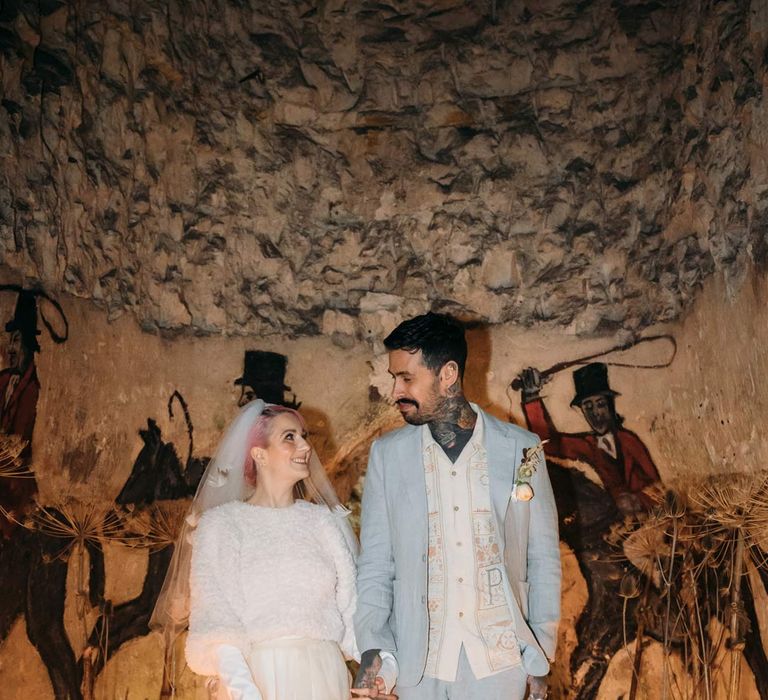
x,y
346,574
213,620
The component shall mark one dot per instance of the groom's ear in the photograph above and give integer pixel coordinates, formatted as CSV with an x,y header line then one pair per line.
x,y
448,375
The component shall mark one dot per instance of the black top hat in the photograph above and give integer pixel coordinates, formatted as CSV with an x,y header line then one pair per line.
x,y
25,320
591,380
264,372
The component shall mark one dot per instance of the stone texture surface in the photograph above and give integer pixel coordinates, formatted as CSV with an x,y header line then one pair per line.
x,y
293,169
243,167
299,168
700,415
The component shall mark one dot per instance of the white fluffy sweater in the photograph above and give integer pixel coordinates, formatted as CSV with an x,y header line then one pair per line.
x,y
264,573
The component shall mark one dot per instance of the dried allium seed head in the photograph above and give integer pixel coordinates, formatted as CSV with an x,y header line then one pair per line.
x,y
629,587
674,504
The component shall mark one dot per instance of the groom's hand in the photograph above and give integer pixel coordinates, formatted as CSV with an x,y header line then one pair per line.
x,y
368,683
537,687
370,665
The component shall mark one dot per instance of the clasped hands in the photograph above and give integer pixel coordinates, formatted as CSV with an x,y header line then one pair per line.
x,y
368,684
537,690
378,691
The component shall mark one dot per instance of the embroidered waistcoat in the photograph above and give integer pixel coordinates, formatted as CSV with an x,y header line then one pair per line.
x,y
466,575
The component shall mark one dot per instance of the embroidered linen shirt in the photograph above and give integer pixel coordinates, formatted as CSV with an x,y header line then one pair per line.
x,y
467,580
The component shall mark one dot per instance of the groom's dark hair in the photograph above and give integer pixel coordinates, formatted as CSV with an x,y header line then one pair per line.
x,y
439,337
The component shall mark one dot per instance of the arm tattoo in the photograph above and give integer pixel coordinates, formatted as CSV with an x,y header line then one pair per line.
x,y
370,665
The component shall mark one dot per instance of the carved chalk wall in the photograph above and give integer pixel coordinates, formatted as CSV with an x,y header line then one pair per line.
x,y
197,180
292,168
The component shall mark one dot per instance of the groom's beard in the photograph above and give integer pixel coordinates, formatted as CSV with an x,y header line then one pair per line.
x,y
435,408
450,418
421,413
414,417
421,410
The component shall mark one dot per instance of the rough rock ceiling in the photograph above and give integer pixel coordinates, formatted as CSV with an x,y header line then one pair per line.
x,y
303,167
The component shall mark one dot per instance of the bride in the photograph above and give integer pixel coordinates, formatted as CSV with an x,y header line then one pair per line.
x,y
265,578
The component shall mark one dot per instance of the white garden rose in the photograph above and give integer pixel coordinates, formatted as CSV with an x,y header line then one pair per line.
x,y
522,492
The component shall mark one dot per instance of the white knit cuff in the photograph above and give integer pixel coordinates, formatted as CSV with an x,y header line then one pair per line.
x,y
234,674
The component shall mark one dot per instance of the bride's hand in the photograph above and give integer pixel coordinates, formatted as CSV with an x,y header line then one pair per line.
x,y
376,692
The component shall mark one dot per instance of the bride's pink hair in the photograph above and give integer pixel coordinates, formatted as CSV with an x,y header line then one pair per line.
x,y
262,431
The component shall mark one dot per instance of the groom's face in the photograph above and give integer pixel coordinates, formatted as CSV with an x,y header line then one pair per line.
x,y
416,391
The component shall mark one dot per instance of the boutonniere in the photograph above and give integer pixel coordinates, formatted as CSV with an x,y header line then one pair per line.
x,y
532,458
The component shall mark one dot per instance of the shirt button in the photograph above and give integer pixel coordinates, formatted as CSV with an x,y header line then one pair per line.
x,y
455,507
458,544
461,614
453,473
461,580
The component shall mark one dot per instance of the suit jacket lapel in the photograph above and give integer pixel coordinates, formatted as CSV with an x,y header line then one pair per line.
x,y
501,450
412,491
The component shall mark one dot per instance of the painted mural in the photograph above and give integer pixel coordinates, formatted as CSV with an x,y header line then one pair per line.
x,y
41,543
19,392
617,517
616,513
32,572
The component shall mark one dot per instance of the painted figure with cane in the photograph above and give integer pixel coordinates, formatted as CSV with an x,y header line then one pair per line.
x,y
618,455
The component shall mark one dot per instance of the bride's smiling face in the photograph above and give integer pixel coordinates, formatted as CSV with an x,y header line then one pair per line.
x,y
286,456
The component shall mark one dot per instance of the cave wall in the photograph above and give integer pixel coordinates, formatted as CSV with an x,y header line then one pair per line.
x,y
102,385
267,167
192,181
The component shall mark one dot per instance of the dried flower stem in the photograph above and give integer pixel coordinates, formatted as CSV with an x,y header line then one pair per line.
x,y
737,607
638,660
668,585
696,548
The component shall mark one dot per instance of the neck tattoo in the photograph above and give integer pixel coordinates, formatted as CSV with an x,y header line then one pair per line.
x,y
453,423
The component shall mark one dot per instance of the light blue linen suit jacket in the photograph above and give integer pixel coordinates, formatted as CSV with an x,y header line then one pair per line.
x,y
392,569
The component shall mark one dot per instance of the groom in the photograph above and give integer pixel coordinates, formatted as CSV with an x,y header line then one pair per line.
x,y
458,577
